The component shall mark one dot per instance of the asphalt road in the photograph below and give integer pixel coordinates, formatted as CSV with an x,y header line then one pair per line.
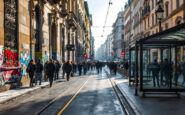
x,y
97,97
31,103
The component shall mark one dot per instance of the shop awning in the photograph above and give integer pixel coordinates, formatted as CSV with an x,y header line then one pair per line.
x,y
173,36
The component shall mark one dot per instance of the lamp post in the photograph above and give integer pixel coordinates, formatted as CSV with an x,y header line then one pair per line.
x,y
159,13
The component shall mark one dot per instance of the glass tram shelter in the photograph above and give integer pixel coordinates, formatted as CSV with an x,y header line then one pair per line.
x,y
167,49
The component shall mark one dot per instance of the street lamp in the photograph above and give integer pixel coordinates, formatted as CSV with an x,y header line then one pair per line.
x,y
159,13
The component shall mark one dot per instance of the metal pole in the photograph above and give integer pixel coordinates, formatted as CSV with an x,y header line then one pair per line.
x,y
136,69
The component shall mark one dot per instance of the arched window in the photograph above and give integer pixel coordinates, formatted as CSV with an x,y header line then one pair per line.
x,y
167,9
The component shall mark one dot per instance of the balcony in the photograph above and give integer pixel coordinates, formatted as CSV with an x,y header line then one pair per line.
x,y
72,20
63,13
52,2
146,11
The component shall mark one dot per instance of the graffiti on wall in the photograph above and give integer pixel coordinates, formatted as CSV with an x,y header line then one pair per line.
x,y
24,59
11,57
45,57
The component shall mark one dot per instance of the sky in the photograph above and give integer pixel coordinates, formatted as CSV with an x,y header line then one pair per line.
x,y
98,9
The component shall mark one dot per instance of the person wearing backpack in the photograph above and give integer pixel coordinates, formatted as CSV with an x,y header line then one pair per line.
x,y
31,70
38,72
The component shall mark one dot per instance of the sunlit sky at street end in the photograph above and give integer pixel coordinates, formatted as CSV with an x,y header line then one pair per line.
x,y
98,9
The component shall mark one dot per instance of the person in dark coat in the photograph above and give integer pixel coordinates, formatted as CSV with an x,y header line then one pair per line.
x,y
50,68
115,68
126,66
38,72
57,69
80,68
63,69
68,69
31,70
45,71
167,69
155,68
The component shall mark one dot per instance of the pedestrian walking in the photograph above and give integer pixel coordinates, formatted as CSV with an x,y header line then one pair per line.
x,y
57,69
45,71
80,68
63,69
68,69
167,69
155,68
126,66
115,68
31,70
50,68
38,72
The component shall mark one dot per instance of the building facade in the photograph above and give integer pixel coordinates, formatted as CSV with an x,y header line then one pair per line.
x,y
41,29
118,39
140,20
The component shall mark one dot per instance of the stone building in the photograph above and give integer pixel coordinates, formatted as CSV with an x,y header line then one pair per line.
x,y
41,29
140,20
118,33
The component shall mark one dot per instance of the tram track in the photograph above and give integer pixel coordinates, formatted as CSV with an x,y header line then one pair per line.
x,y
126,106
63,106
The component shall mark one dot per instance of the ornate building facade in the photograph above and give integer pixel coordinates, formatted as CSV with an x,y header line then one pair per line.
x,y
41,29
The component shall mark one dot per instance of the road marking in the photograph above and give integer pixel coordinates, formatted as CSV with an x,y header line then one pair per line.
x,y
71,99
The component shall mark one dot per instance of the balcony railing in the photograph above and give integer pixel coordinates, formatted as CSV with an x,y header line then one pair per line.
x,y
63,13
53,1
72,20
146,10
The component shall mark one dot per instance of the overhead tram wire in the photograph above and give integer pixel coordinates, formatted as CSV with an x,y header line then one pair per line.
x,y
110,3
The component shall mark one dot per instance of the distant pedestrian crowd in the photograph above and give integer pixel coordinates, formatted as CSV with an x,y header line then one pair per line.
x,y
50,70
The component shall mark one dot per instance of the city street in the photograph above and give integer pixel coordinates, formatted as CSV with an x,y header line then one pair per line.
x,y
93,57
95,97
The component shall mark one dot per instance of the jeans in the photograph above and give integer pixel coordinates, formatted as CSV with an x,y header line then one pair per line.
x,y
38,77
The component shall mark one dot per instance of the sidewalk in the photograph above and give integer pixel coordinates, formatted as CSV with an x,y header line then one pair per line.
x,y
13,93
151,105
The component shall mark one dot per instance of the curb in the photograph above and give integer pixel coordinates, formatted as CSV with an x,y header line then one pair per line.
x,y
129,101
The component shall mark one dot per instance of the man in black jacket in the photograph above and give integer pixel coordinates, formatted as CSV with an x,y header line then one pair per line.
x,y
57,69
50,68
38,72
31,70
68,69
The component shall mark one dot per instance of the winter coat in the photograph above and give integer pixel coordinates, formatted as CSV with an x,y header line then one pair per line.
x,y
68,68
50,68
39,68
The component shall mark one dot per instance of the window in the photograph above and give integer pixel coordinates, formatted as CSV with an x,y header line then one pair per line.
x,y
167,9
177,3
